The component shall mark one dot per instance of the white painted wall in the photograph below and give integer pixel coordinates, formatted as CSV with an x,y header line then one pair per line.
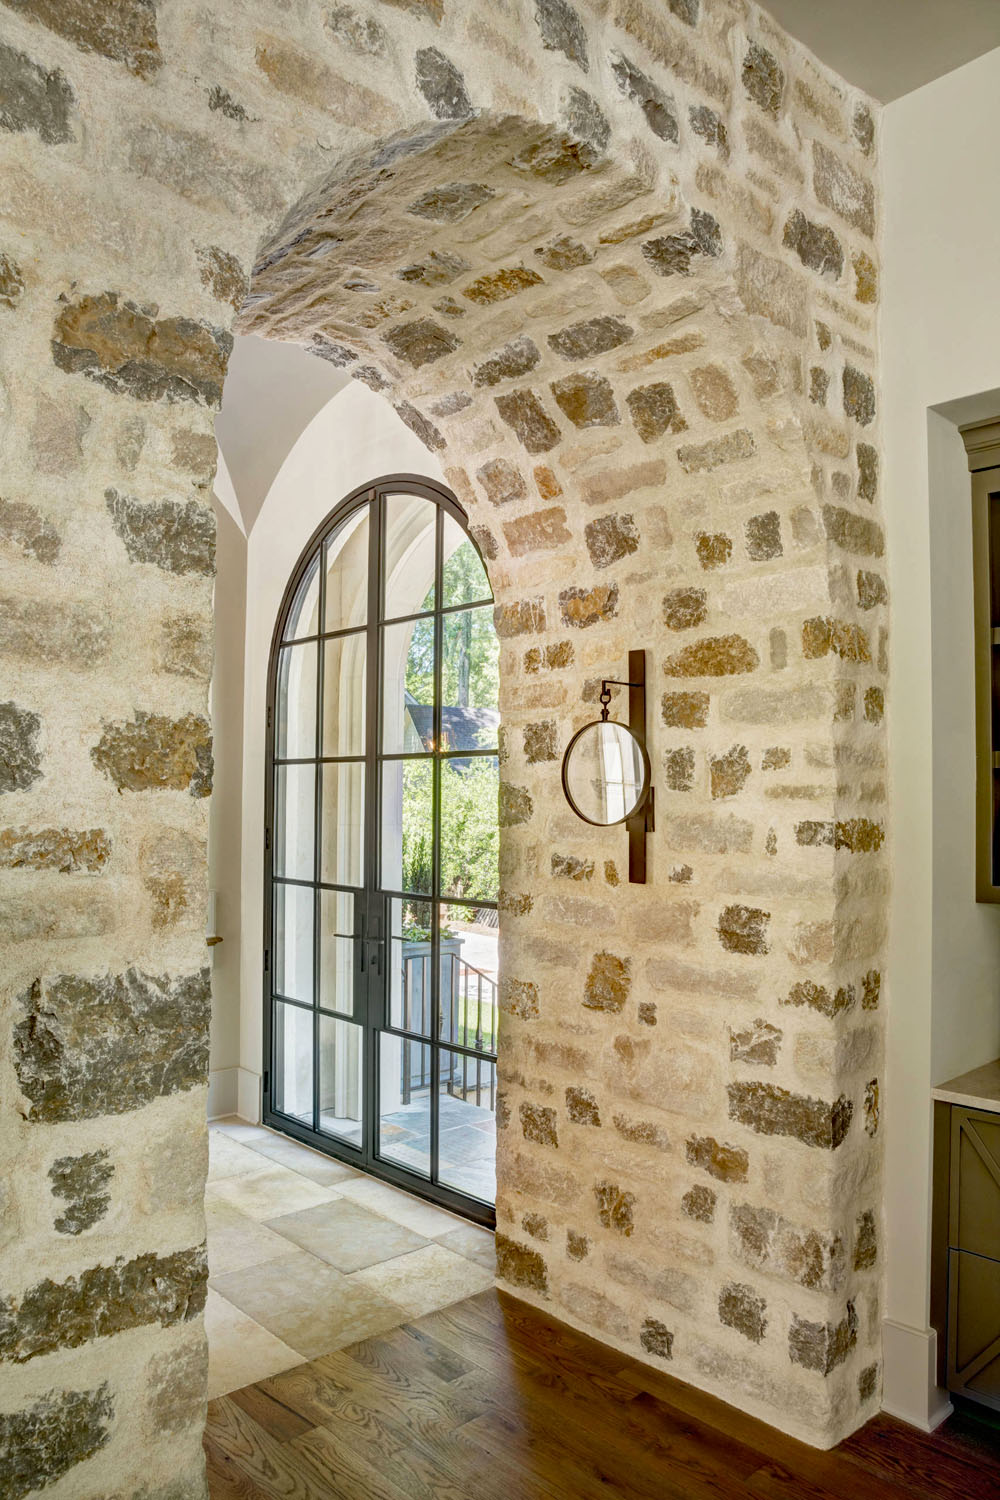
x,y
225,816
940,353
355,438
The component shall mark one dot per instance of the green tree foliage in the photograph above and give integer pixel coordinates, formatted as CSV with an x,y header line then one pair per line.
x,y
470,834
470,671
470,678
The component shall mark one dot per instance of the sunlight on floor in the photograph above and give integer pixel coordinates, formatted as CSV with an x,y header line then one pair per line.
x,y
306,1255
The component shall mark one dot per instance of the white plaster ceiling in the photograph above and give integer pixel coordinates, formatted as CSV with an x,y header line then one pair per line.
x,y
272,392
890,47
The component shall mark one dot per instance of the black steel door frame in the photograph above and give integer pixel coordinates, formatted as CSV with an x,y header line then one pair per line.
x,y
371,904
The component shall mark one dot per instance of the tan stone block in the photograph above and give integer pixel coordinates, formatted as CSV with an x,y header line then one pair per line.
x,y
714,392
628,286
771,149
540,531
670,974
46,633
771,289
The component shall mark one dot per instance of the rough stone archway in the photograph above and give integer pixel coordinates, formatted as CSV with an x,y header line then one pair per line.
x,y
617,268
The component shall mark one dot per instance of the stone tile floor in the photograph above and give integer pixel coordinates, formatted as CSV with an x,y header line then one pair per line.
x,y
306,1255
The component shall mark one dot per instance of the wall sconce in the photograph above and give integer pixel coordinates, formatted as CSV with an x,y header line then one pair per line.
x,y
605,771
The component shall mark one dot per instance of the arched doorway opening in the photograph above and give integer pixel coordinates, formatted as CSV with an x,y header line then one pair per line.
x,y
381,835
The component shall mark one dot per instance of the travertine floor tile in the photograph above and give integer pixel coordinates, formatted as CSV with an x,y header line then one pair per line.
x,y
239,1130
228,1157
472,1242
311,1164
269,1193
308,1305
241,1242
425,1279
413,1213
240,1351
346,1235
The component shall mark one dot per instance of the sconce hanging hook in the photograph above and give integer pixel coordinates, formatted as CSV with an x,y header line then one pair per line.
x,y
607,683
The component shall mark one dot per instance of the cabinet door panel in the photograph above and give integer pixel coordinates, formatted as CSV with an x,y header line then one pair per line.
x,y
974,1220
974,1327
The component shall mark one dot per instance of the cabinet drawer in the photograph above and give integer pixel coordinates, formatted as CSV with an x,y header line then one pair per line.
x,y
974,1327
974,1206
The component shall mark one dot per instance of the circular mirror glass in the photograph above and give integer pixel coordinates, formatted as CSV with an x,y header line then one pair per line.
x,y
605,773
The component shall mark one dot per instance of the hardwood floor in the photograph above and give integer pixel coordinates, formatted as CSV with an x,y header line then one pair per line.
x,y
491,1400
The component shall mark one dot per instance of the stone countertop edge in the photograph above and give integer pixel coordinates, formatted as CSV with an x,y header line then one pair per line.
x,y
979,1089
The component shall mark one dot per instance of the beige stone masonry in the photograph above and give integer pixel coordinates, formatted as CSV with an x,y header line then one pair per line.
x,y
617,266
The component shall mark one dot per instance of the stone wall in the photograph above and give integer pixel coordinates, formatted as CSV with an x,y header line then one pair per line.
x,y
616,264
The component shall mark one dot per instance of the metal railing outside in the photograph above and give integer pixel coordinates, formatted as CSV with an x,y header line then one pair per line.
x,y
469,1014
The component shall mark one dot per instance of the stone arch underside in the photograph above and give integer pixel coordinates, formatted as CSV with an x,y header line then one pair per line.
x,y
621,282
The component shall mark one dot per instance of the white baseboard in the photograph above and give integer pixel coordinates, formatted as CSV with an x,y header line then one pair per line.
x,y
909,1376
222,1092
248,1095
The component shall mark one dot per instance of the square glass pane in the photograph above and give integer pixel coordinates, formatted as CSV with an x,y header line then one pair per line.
x,y
346,560
463,578
467,1138
404,1080
411,991
408,687
303,616
470,831
343,823
294,821
470,941
410,544
295,706
344,680
341,1079
407,826
337,951
292,1062
292,968
470,680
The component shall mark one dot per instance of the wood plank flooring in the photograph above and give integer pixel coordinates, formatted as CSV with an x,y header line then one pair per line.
x,y
492,1400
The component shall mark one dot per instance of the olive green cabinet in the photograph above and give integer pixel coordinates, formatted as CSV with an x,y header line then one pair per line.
x,y
974,1256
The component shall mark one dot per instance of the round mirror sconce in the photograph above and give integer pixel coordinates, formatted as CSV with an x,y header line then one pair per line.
x,y
606,771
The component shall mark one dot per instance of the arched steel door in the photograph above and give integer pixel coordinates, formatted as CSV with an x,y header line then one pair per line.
x,y
380,970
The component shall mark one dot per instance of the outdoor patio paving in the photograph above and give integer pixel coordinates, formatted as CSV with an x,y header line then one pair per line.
x,y
467,1142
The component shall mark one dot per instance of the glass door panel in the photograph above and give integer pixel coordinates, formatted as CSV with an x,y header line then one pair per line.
x,y
337,951
470,680
408,582
295,719
470,833
303,612
342,823
405,1093
408,826
469,976
411,955
463,577
382,978
293,941
347,558
408,656
467,1124
292,1062
341,1079
295,822
344,682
